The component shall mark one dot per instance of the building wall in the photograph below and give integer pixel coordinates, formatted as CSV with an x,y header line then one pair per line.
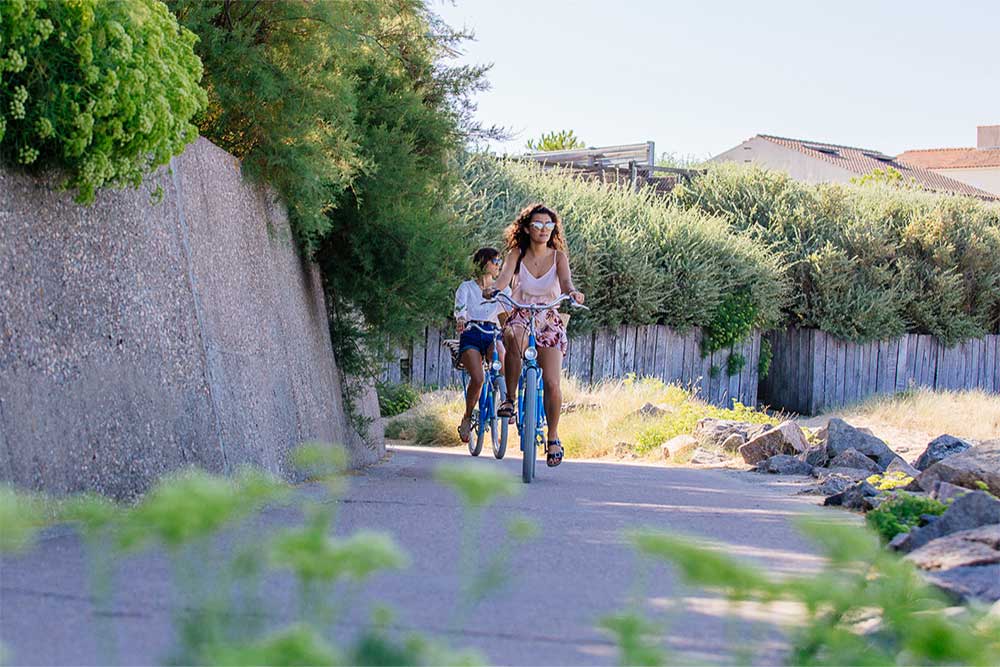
x,y
799,166
984,178
138,337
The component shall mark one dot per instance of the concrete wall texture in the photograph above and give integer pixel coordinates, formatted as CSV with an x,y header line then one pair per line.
x,y
138,337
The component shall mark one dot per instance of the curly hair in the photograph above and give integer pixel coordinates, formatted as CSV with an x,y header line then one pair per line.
x,y
517,237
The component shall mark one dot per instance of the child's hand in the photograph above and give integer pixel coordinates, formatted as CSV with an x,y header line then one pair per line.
x,y
460,325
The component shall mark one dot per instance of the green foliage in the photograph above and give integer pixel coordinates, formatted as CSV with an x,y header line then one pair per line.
x,y
194,504
477,486
395,398
735,363
21,515
555,141
714,371
350,110
639,259
860,581
732,322
764,358
868,263
683,418
103,90
901,513
636,641
889,481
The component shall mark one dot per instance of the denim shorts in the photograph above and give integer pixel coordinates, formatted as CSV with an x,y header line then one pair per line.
x,y
473,339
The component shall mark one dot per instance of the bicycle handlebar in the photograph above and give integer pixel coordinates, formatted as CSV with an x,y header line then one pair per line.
x,y
533,307
473,325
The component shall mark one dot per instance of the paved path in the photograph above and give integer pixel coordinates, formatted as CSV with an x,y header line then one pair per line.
x,y
576,571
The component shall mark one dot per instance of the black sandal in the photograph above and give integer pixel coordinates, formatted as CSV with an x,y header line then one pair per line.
x,y
506,409
552,459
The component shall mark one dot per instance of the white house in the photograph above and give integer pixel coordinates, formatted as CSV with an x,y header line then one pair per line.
x,y
820,162
979,166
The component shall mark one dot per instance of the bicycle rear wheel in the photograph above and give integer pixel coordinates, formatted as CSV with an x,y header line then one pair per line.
x,y
529,425
478,433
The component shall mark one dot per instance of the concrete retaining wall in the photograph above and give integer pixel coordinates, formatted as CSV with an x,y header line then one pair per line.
x,y
140,337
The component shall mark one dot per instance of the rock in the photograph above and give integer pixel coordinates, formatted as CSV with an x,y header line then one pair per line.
x,y
650,410
899,465
980,582
624,450
854,474
787,438
841,436
733,443
978,546
946,492
899,542
852,458
830,485
939,449
785,464
979,463
679,446
971,510
704,457
816,456
714,432
855,497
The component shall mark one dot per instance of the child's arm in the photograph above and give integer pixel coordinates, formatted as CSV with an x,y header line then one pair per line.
x,y
461,307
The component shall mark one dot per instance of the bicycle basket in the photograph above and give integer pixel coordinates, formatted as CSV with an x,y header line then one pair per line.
x,y
452,345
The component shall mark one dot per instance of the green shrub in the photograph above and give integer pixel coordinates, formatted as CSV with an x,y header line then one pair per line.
x,y
639,259
735,363
867,262
104,90
764,359
395,398
902,512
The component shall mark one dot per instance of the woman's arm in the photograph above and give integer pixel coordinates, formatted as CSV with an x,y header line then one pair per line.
x,y
566,278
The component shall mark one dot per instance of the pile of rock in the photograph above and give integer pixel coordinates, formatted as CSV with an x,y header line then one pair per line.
x,y
959,551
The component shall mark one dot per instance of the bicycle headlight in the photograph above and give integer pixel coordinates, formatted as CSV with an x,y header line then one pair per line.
x,y
531,354
496,365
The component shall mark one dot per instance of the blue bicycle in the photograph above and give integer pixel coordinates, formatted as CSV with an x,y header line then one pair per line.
x,y
530,390
484,415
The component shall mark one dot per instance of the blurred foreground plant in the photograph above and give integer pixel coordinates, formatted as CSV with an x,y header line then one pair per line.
x,y
860,583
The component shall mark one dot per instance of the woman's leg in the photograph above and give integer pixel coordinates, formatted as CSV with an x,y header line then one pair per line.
x,y
473,363
515,339
550,359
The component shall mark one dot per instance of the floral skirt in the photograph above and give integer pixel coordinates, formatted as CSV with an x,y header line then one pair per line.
x,y
550,331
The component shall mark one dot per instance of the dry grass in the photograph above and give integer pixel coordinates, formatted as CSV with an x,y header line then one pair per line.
x,y
599,421
909,420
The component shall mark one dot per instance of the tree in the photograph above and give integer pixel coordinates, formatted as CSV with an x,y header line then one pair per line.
x,y
351,110
556,141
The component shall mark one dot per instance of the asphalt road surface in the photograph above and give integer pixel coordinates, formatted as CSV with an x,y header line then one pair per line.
x,y
577,570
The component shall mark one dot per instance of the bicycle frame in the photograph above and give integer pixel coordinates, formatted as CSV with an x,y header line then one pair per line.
x,y
527,363
487,400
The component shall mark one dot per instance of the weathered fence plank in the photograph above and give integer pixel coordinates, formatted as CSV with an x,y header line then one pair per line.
x,y
813,371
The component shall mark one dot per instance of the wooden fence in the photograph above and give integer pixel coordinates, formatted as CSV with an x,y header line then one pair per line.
x,y
646,351
812,371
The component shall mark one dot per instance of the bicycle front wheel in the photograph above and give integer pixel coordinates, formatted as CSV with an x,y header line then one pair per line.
x,y
499,438
530,425
478,433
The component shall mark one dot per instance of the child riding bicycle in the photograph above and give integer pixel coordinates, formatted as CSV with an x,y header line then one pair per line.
x,y
478,325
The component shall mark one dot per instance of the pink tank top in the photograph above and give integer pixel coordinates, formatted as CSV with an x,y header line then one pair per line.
x,y
545,289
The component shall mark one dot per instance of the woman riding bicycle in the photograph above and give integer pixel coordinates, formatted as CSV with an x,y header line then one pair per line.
x,y
537,264
473,344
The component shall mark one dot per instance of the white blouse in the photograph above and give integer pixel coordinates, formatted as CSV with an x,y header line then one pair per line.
x,y
469,304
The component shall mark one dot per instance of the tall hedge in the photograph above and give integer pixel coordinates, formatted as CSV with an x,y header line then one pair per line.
x,y
639,258
866,262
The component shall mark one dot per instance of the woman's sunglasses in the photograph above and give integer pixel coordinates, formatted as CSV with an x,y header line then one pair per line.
x,y
548,226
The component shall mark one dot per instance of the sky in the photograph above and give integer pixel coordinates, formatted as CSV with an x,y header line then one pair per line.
x,y
700,76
